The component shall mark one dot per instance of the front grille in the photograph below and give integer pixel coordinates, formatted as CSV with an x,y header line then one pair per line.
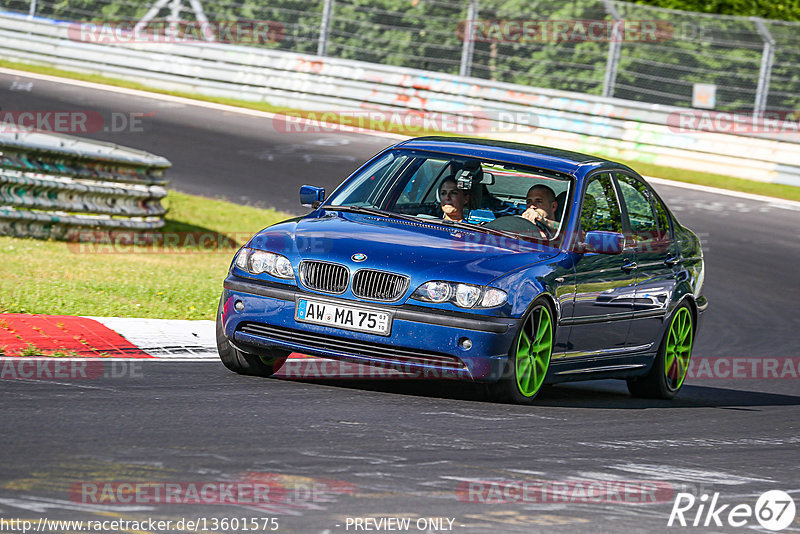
x,y
324,276
379,285
375,351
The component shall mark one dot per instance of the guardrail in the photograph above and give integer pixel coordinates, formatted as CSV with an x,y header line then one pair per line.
x,y
52,185
610,127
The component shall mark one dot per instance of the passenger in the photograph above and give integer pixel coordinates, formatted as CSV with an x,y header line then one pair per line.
x,y
453,200
542,206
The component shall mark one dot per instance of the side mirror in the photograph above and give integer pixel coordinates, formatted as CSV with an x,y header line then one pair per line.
x,y
311,196
487,178
602,242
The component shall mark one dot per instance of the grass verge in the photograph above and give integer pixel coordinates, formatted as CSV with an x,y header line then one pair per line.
x,y
181,281
668,173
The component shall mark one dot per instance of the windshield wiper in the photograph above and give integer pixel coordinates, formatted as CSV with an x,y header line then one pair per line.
x,y
373,211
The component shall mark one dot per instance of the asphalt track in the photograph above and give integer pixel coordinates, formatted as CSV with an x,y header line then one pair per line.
x,y
380,449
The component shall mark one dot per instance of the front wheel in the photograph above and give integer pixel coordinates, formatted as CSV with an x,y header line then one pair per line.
x,y
672,361
267,363
529,358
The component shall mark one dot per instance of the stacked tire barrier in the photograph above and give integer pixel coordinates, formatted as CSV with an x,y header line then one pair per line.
x,y
53,185
614,128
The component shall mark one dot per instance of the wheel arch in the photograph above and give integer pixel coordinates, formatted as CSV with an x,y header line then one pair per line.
x,y
553,304
690,299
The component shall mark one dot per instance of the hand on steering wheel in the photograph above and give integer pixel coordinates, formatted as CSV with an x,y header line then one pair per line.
x,y
539,221
520,225
539,224
548,232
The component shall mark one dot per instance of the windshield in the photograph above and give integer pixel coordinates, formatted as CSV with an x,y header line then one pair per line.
x,y
493,195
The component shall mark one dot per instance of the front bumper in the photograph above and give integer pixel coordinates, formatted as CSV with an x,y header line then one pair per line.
x,y
422,340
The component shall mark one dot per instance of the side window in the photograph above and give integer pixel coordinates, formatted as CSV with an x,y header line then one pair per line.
x,y
600,210
662,218
641,217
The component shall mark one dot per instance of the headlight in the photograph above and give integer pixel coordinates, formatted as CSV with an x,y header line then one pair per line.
x,y
259,261
462,295
436,291
283,267
493,297
467,296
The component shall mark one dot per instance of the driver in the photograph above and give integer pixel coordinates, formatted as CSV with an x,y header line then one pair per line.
x,y
453,200
541,206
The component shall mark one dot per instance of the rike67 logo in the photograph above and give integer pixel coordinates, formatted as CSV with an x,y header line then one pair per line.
x,y
774,510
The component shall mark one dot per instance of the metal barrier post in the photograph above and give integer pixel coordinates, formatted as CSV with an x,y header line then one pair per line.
x,y
32,12
612,62
468,46
765,72
325,27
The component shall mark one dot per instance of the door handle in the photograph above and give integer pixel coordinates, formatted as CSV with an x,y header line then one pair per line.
x,y
671,261
628,267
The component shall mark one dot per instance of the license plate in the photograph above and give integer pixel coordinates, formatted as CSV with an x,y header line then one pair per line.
x,y
346,317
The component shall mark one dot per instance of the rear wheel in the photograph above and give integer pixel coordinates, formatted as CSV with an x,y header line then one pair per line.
x,y
266,363
529,358
672,361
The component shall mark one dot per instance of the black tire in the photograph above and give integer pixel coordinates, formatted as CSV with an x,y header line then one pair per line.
x,y
266,363
656,384
508,388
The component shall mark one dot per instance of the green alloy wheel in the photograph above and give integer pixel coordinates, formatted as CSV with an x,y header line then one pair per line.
x,y
529,359
678,349
672,362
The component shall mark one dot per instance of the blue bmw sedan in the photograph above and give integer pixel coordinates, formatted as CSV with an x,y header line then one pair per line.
x,y
505,263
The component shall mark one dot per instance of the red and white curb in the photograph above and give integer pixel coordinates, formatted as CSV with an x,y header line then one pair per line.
x,y
166,338
25,338
25,335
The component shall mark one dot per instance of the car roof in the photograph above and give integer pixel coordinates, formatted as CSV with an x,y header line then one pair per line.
x,y
555,159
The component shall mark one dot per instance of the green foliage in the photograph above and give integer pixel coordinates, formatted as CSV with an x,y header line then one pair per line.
x,y
30,351
697,47
426,34
781,10
63,354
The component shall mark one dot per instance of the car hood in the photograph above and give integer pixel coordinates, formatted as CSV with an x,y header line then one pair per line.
x,y
418,249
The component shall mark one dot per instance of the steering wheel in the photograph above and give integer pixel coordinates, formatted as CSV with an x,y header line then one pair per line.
x,y
548,232
518,224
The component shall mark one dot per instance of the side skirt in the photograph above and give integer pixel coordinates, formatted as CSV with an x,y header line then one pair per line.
x,y
600,368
